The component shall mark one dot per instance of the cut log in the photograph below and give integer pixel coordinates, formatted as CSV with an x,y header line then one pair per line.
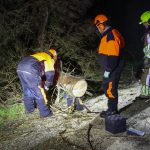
x,y
75,86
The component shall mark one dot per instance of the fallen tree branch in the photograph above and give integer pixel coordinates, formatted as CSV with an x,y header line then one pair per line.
x,y
89,93
75,86
5,87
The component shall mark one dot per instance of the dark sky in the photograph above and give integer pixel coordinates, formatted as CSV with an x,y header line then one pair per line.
x,y
125,16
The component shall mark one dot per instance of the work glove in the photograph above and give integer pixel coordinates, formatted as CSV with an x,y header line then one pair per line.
x,y
46,88
106,74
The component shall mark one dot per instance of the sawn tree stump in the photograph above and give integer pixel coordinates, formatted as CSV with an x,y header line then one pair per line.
x,y
75,86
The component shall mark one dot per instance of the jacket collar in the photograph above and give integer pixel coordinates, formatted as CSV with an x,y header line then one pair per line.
x,y
107,31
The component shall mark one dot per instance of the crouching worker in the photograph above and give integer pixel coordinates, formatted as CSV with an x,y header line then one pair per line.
x,y
30,70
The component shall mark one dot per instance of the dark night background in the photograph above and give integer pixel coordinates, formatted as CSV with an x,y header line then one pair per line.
x,y
125,16
28,26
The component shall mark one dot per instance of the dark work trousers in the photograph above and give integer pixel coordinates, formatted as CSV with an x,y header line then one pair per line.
x,y
110,87
33,90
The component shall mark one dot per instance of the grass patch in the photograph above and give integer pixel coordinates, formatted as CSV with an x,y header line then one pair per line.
x,y
11,113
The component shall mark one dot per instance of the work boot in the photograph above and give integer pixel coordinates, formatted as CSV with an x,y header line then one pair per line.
x,y
29,112
107,113
49,115
78,106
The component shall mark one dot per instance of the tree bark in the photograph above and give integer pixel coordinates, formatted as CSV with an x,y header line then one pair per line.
x,y
75,86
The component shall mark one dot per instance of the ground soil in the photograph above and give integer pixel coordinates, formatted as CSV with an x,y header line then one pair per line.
x,y
81,130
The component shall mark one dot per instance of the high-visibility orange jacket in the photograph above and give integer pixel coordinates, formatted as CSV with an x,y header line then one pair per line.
x,y
110,49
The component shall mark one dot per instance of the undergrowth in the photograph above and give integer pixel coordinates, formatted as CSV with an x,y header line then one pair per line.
x,y
11,113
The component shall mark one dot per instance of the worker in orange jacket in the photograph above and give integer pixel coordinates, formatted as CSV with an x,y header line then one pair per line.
x,y
30,70
111,59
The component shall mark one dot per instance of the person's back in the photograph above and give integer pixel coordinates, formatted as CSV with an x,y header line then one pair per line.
x,y
31,65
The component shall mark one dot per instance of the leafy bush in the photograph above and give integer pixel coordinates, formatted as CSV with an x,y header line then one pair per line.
x,y
11,113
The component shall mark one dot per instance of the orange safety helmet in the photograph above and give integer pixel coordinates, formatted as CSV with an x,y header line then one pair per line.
x,y
100,18
100,21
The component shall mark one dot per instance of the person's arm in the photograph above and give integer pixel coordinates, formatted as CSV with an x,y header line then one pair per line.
x,y
112,57
49,79
49,73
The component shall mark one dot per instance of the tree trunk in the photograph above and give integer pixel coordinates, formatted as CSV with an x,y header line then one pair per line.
x,y
75,86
